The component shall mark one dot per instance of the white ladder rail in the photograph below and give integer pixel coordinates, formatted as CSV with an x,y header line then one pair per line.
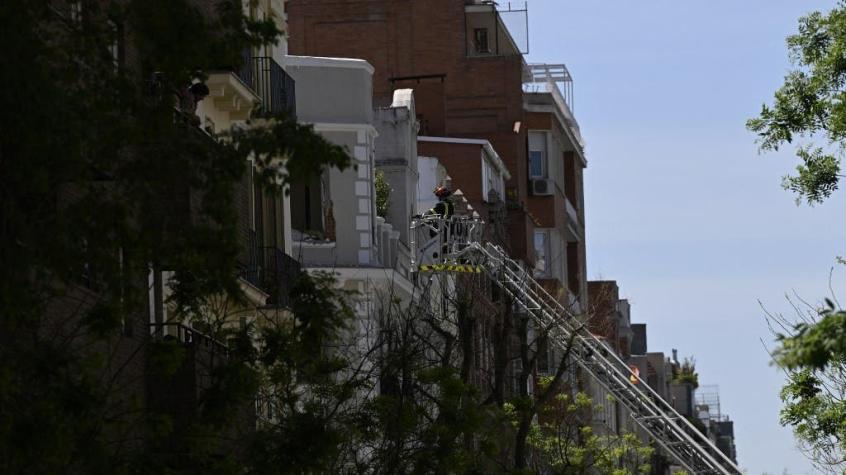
x,y
459,239
675,434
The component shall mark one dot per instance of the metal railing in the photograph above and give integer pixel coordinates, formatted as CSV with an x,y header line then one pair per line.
x,y
275,87
269,269
281,274
455,240
252,262
187,336
675,434
245,72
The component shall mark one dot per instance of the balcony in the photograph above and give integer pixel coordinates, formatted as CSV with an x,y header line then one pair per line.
x,y
252,262
551,86
187,336
274,87
259,84
233,92
281,274
270,270
496,29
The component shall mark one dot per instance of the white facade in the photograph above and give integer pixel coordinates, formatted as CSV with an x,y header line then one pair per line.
x,y
346,237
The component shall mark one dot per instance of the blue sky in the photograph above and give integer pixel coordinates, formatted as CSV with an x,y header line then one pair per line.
x,y
681,209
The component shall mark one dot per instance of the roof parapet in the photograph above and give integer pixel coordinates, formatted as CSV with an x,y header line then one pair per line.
x,y
556,80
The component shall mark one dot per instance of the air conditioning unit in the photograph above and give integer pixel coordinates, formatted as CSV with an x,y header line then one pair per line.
x,y
542,187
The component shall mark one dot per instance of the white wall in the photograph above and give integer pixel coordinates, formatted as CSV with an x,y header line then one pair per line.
x,y
431,174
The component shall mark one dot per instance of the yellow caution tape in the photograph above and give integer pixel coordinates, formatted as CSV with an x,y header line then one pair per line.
x,y
451,268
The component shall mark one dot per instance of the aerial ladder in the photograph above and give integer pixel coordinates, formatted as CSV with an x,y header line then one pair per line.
x,y
455,245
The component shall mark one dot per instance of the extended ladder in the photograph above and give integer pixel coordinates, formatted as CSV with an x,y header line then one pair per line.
x,y
458,240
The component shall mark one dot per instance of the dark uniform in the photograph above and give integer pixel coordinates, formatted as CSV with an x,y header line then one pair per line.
x,y
444,209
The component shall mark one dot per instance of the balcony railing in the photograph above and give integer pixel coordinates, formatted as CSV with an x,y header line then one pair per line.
x,y
281,273
270,270
271,83
252,262
187,336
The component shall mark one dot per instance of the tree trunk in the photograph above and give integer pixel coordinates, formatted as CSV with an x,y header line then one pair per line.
x,y
520,440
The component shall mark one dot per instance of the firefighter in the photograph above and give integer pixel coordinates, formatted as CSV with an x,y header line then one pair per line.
x,y
445,207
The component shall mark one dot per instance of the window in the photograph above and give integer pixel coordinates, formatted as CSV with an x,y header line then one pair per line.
x,y
480,39
536,162
537,155
541,253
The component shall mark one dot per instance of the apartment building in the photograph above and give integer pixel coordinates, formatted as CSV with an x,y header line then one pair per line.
x,y
422,94
335,226
478,174
556,187
718,425
609,316
267,270
397,160
192,115
464,66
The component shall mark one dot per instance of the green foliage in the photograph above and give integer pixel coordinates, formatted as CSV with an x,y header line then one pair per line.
x,y
103,179
308,388
429,417
817,414
817,177
306,153
814,353
566,443
686,373
811,104
458,434
815,345
383,194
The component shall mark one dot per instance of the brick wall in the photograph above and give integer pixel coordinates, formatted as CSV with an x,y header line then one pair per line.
x,y
422,46
602,310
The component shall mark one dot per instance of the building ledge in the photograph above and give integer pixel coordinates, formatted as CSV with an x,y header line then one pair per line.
x,y
231,95
255,295
316,244
327,62
494,156
378,275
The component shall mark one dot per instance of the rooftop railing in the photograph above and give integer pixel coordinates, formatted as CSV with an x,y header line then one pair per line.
x,y
554,79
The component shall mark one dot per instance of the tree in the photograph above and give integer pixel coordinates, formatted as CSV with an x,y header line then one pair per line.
x,y
313,383
812,349
811,104
383,194
686,373
432,413
811,352
567,443
106,181
107,184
